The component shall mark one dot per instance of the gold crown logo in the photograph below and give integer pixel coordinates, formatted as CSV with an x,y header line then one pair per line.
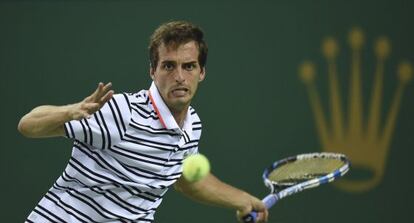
x,y
365,142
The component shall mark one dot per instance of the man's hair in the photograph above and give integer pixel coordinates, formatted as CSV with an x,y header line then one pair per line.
x,y
173,34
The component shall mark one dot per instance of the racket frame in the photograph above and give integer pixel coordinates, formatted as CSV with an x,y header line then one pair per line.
x,y
278,192
281,193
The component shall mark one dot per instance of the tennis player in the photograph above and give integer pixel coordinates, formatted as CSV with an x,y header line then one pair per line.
x,y
128,148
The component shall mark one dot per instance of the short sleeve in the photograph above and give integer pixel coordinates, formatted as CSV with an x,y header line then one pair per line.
x,y
105,127
194,151
196,128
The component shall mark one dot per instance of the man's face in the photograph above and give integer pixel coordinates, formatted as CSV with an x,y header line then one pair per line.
x,y
177,75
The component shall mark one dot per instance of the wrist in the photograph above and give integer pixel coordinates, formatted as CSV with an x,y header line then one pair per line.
x,y
245,203
69,112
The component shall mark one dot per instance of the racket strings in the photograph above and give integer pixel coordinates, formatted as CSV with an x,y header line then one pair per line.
x,y
303,170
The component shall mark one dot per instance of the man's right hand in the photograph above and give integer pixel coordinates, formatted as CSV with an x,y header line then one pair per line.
x,y
92,103
48,120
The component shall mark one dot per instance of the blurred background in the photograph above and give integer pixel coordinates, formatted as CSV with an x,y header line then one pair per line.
x,y
266,59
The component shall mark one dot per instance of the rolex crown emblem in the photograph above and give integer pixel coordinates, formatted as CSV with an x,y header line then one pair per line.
x,y
359,130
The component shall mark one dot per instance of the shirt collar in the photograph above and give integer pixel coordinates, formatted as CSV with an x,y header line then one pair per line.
x,y
166,118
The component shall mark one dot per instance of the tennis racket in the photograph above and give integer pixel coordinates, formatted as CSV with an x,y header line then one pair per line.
x,y
297,173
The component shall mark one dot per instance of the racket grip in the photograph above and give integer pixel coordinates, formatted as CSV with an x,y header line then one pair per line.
x,y
268,201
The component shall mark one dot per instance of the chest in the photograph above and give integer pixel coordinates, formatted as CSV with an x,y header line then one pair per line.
x,y
156,150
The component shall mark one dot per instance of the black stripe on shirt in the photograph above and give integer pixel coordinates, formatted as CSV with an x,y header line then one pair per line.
x,y
108,134
153,177
67,208
102,162
100,127
85,136
139,96
127,100
94,205
80,194
66,131
121,134
90,132
186,137
99,178
71,130
123,152
141,194
152,173
196,126
193,141
66,177
151,130
187,147
89,174
146,220
119,112
196,123
150,141
137,122
50,213
147,145
142,108
45,216
143,112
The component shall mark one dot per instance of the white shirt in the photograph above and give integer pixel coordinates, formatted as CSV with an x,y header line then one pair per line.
x,y
124,159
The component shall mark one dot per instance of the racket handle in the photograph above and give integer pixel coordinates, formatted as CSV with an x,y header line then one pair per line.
x,y
268,201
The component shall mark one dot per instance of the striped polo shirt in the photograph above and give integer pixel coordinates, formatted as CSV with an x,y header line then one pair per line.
x,y
124,159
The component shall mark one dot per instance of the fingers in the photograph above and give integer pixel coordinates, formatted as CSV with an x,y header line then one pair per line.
x,y
256,205
259,206
240,215
97,91
244,212
82,110
263,216
106,97
91,107
94,102
101,93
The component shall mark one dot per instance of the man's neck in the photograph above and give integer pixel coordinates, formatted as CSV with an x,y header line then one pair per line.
x,y
179,116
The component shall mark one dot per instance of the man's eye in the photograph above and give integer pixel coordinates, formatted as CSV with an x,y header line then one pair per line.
x,y
168,66
189,67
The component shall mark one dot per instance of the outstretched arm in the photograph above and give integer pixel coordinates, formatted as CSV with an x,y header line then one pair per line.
x,y
211,190
48,120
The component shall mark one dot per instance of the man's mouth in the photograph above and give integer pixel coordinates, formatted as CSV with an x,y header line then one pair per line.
x,y
179,92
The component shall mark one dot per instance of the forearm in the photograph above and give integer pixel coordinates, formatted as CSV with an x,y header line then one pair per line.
x,y
45,121
48,120
212,191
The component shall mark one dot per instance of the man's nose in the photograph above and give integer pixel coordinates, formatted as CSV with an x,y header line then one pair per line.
x,y
179,76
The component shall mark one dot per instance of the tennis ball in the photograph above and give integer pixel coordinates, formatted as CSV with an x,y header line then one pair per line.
x,y
196,167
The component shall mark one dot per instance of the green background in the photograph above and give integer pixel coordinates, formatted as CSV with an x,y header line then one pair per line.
x,y
253,105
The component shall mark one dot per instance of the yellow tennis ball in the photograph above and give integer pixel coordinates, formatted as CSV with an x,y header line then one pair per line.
x,y
195,167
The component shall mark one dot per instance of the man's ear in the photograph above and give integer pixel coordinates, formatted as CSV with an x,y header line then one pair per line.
x,y
152,71
202,74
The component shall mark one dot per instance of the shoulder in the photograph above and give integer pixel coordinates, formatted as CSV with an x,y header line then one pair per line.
x,y
140,97
141,108
131,98
195,119
123,103
140,101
